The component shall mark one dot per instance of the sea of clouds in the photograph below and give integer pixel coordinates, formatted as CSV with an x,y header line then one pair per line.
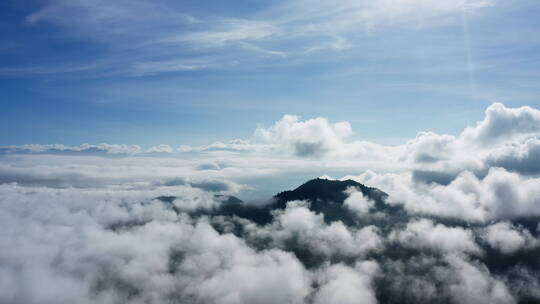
x,y
81,224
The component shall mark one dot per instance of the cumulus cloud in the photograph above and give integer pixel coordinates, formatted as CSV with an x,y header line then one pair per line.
x,y
425,234
430,147
313,137
347,285
506,137
474,283
502,122
522,157
508,238
357,203
499,195
305,231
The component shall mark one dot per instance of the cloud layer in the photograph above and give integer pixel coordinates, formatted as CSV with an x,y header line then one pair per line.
x,y
466,231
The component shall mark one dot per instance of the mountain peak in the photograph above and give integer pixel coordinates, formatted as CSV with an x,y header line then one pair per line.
x,y
328,196
324,195
321,189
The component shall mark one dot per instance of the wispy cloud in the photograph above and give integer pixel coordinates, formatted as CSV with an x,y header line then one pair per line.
x,y
138,32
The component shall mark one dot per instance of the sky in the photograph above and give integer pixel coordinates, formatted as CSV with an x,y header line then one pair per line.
x,y
190,73
127,125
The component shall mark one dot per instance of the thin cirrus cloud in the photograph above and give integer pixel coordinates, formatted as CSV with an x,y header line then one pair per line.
x,y
166,39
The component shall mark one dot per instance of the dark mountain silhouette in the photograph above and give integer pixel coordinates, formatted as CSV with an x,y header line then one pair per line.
x,y
320,191
324,196
230,206
228,199
328,197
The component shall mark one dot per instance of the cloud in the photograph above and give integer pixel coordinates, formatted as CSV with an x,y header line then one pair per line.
x,y
151,38
430,147
149,68
435,174
506,137
474,284
347,285
214,186
310,138
91,222
508,239
84,148
522,157
502,123
336,43
161,149
232,30
279,276
498,195
427,235
117,244
237,145
209,166
427,177
357,203
315,18
301,230
156,256
432,157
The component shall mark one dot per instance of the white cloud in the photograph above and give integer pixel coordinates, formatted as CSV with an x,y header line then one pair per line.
x,y
522,156
346,285
336,43
499,195
310,138
508,239
106,246
104,147
316,18
161,149
236,145
503,123
434,174
298,224
357,203
430,147
475,284
148,253
148,38
232,30
424,234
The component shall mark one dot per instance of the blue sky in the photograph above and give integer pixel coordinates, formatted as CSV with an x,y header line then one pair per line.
x,y
192,72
